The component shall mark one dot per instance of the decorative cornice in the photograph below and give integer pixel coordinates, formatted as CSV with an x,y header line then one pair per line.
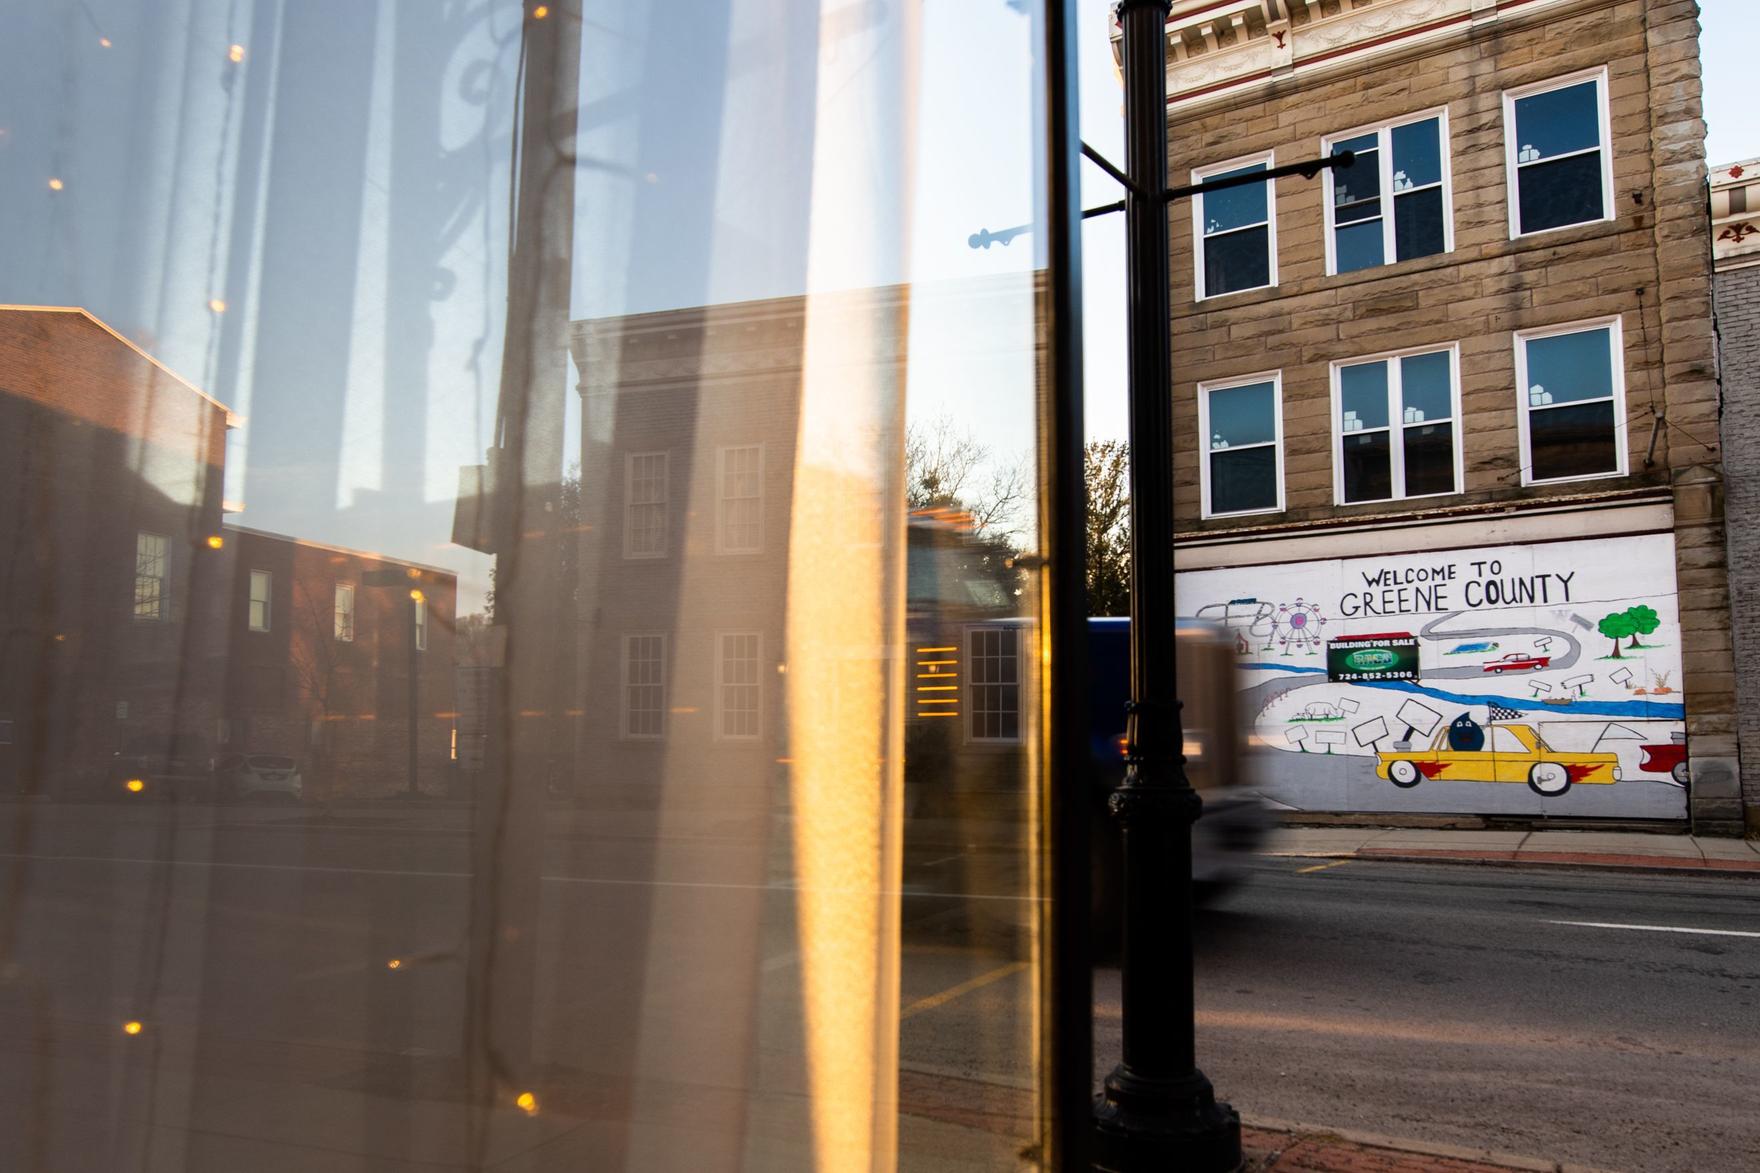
x,y
1735,215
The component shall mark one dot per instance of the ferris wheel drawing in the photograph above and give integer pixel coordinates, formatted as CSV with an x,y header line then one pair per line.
x,y
1296,628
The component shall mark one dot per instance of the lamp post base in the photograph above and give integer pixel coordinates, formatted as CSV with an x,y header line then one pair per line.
x,y
1143,1124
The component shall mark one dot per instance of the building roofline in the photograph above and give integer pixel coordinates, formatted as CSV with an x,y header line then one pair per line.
x,y
233,419
368,554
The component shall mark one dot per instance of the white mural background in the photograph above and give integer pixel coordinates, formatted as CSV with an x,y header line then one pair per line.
x,y
1576,641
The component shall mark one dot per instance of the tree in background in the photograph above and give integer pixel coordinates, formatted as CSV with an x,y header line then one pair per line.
x,y
948,468
1106,481
1616,627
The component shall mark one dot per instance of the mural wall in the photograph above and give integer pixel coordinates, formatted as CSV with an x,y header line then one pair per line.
x,y
1531,680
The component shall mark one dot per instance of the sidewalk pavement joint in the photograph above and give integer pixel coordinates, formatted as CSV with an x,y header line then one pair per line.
x,y
1629,851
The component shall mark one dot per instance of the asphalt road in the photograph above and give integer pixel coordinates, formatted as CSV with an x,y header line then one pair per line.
x,y
1445,1003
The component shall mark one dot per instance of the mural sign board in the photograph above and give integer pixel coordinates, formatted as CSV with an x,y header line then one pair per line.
x,y
1372,657
1537,679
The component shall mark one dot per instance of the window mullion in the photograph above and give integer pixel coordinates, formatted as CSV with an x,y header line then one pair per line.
x,y
1396,416
1384,151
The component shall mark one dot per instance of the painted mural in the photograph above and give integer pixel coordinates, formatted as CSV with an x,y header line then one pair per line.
x,y
1540,679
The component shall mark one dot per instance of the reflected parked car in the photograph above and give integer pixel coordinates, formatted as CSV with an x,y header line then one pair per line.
x,y
257,775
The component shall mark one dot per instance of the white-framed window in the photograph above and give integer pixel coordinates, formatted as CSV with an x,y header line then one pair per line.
x,y
152,553
344,612
421,605
645,493
1558,153
739,694
739,515
1396,426
1234,231
1393,202
1571,396
262,583
644,686
1240,422
993,683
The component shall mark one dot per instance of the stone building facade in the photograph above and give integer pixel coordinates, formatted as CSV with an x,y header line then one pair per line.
x,y
1460,395
1735,243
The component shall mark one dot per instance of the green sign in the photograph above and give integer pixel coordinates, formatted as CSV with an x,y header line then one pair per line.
x,y
1375,657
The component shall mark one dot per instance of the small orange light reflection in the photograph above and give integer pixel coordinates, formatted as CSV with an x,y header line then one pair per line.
x,y
417,596
235,54
394,963
217,304
55,184
526,1101
131,1027
540,12
135,785
215,541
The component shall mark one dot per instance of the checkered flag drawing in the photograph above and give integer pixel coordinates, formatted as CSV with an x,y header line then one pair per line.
x,y
1500,713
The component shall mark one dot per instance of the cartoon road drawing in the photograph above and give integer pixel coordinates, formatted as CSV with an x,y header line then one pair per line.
x,y
1512,753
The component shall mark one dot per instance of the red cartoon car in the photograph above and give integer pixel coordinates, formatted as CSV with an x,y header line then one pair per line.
x,y
1517,662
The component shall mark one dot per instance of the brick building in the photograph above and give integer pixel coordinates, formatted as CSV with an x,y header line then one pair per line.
x,y
110,496
1453,410
1735,243
319,659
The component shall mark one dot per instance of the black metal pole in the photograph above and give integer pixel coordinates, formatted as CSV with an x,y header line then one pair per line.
x,y
415,608
1157,1111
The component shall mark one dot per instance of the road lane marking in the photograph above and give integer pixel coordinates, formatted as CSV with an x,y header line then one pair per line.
x,y
965,987
1320,867
1595,924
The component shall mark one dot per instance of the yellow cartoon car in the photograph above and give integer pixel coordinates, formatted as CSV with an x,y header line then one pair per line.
x,y
1512,753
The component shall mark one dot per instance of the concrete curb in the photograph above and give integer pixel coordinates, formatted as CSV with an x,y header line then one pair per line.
x,y
1657,864
1409,1147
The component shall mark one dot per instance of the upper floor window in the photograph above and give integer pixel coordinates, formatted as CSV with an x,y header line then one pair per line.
x,y
1571,396
259,600
644,504
740,516
1556,154
1235,231
739,692
1241,422
1396,421
644,685
421,618
1392,202
993,672
151,552
345,612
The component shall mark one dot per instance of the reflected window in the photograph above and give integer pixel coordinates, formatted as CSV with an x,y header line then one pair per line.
x,y
644,509
421,605
993,672
644,686
1557,154
345,612
1242,469
1396,427
738,701
740,528
1392,202
151,552
1236,232
1571,391
261,582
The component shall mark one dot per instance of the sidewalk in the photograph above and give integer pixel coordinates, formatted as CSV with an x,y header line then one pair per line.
x,y
1296,1148
1623,850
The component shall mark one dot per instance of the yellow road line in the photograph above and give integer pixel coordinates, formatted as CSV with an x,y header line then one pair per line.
x,y
1320,867
965,987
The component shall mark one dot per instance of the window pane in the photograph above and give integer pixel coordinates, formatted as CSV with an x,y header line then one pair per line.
x,y
1359,181
1243,480
1368,466
1565,368
1424,385
1362,396
1243,415
1566,191
1429,454
1234,207
1359,246
1239,260
1556,122
1417,224
1572,441
1417,154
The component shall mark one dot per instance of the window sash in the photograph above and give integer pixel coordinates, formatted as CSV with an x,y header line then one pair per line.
x,y
993,684
644,687
1203,235
1389,198
151,554
421,606
1516,167
344,612
1615,398
740,528
1211,452
739,686
645,494
1398,428
261,586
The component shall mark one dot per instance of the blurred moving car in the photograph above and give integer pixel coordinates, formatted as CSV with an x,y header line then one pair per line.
x,y
257,775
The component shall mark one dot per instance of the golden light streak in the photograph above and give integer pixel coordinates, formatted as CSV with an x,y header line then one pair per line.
x,y
540,12
921,651
216,541
526,1102
135,785
131,1027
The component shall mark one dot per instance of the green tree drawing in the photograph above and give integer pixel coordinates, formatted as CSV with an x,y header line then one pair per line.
x,y
1616,627
1644,621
